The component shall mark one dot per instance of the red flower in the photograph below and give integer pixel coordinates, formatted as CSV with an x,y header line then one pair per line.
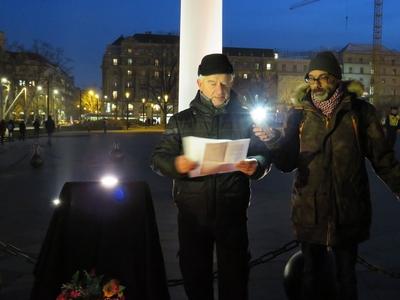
x,y
62,296
75,294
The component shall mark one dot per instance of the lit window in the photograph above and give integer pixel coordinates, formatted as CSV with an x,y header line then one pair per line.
x,y
245,76
22,83
114,94
115,83
32,83
276,56
257,66
115,61
169,74
156,62
129,50
129,61
129,72
156,74
128,84
269,67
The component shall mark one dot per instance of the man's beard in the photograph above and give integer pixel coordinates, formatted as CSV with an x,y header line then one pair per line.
x,y
320,94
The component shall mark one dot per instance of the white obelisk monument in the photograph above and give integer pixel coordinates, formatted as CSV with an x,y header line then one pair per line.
x,y
200,34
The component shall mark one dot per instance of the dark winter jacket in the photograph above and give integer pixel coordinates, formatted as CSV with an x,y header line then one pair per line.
x,y
221,197
331,198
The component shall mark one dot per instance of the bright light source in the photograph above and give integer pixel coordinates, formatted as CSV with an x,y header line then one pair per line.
x,y
56,202
109,181
259,114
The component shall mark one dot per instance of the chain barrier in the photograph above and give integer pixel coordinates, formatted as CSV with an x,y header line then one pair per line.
x,y
12,250
375,268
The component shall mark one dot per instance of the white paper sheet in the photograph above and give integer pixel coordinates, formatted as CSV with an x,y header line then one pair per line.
x,y
214,156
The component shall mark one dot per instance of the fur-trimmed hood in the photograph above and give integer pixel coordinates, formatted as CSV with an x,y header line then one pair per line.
x,y
354,87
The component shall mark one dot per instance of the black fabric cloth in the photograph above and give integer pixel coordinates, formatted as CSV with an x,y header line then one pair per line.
x,y
111,231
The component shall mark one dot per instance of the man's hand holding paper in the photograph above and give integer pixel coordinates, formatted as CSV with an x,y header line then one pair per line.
x,y
247,166
217,156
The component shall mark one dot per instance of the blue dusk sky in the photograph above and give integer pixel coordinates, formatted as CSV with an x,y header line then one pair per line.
x,y
83,28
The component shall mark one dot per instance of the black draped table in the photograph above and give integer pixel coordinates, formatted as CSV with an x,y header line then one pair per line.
x,y
110,230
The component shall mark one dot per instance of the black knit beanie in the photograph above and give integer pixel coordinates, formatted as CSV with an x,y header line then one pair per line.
x,y
326,61
215,64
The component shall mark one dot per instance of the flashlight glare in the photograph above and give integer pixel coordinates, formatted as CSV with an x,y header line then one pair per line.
x,y
259,114
109,181
56,202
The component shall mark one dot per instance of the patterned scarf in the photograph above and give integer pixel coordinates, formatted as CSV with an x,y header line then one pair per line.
x,y
328,106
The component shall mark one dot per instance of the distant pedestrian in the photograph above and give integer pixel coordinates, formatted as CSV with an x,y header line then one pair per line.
x,y
22,130
36,127
10,128
104,125
392,125
3,127
50,126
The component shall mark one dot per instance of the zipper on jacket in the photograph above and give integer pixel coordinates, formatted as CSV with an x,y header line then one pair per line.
x,y
326,122
355,128
329,236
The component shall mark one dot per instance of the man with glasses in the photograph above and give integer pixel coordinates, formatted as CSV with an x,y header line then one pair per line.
x,y
212,209
328,135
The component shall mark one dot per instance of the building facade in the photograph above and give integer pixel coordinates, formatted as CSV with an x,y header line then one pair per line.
x,y
140,77
356,62
32,86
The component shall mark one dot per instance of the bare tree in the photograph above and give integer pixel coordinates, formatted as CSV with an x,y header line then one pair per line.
x,y
162,83
30,73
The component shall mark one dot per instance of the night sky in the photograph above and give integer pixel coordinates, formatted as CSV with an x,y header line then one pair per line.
x,y
83,28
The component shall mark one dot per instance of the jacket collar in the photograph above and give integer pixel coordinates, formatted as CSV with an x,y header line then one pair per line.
x,y
301,97
200,105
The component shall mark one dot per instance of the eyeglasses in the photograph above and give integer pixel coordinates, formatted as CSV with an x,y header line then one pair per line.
x,y
324,78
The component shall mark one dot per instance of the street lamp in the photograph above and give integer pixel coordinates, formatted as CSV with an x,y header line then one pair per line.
x,y
143,101
55,92
151,116
165,109
127,94
3,81
97,106
39,89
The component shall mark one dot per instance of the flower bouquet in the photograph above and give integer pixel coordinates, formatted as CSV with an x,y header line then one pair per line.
x,y
88,286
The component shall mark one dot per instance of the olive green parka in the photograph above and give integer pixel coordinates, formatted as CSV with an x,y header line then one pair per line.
x,y
331,197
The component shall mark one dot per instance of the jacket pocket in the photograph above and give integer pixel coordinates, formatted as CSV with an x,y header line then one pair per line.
x,y
354,206
303,208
